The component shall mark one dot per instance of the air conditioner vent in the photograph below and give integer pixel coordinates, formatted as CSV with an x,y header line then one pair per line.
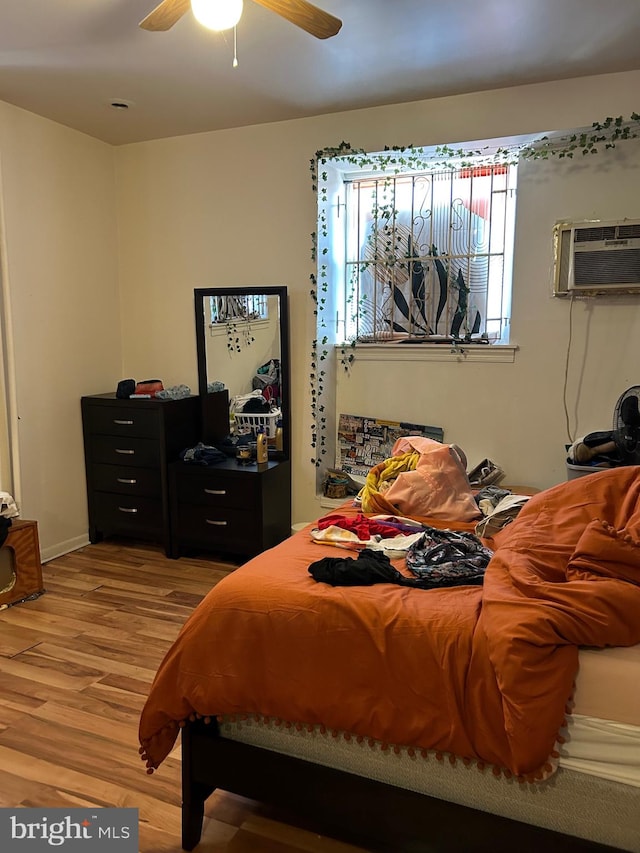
x,y
589,234
595,258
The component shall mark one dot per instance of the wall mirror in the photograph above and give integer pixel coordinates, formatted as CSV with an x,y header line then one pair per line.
x,y
242,333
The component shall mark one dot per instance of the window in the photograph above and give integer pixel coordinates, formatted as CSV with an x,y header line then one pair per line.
x,y
230,309
425,255
237,317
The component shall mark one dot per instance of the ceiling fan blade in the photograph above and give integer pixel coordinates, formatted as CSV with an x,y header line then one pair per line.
x,y
305,15
165,15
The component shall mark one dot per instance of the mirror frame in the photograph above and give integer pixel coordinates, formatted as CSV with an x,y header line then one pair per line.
x,y
211,417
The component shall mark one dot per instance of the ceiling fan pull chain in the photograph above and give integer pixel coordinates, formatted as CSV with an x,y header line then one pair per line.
x,y
235,47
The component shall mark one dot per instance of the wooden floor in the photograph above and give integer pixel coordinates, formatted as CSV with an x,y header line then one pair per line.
x,y
75,667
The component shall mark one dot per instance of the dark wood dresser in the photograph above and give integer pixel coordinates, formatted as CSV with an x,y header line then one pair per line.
x,y
239,509
128,446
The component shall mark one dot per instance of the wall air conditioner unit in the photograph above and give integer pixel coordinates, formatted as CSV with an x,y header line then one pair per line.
x,y
596,258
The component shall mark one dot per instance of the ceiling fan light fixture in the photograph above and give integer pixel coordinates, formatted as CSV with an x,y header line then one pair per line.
x,y
217,14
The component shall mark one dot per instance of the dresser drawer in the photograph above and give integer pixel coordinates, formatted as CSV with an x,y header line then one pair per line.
x,y
143,482
134,452
119,513
122,421
214,489
218,527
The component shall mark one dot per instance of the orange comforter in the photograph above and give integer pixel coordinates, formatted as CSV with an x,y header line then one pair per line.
x,y
482,673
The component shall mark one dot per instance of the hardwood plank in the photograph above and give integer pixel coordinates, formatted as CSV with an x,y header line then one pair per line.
x,y
189,599
144,625
119,696
301,839
216,834
19,690
34,668
117,645
248,842
12,700
91,659
25,791
91,723
66,607
129,602
230,808
106,709
145,580
9,716
69,585
44,623
94,580
132,685
14,640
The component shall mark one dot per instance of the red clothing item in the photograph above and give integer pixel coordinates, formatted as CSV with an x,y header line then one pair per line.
x,y
365,528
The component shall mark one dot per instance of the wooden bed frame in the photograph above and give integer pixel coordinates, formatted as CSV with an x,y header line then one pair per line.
x,y
351,807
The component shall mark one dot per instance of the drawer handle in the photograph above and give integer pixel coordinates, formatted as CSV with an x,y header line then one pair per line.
x,y
216,523
126,452
127,509
122,423
126,482
215,491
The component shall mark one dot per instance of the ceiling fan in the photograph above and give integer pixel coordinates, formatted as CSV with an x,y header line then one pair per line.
x,y
305,15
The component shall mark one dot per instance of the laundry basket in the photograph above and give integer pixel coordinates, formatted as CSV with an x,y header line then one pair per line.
x,y
574,471
253,422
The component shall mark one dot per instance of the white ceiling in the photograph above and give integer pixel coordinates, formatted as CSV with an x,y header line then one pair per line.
x,y
69,60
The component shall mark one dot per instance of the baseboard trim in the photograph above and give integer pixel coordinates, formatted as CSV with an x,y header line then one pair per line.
x,y
62,548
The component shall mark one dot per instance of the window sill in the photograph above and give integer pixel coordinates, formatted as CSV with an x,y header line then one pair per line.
x,y
476,353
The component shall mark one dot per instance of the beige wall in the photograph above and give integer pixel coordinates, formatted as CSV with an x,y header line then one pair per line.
x,y
101,280
58,197
236,208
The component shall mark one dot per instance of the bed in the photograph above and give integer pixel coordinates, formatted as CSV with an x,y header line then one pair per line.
x,y
502,708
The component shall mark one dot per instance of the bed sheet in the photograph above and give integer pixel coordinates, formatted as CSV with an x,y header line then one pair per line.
x,y
608,684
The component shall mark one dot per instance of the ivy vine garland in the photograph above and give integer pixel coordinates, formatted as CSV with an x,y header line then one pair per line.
x,y
602,136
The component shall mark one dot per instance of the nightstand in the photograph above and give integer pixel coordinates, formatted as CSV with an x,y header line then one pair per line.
x,y
232,508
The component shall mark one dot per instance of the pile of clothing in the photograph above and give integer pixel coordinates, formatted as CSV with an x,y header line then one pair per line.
x,y
436,558
267,380
422,479
499,508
